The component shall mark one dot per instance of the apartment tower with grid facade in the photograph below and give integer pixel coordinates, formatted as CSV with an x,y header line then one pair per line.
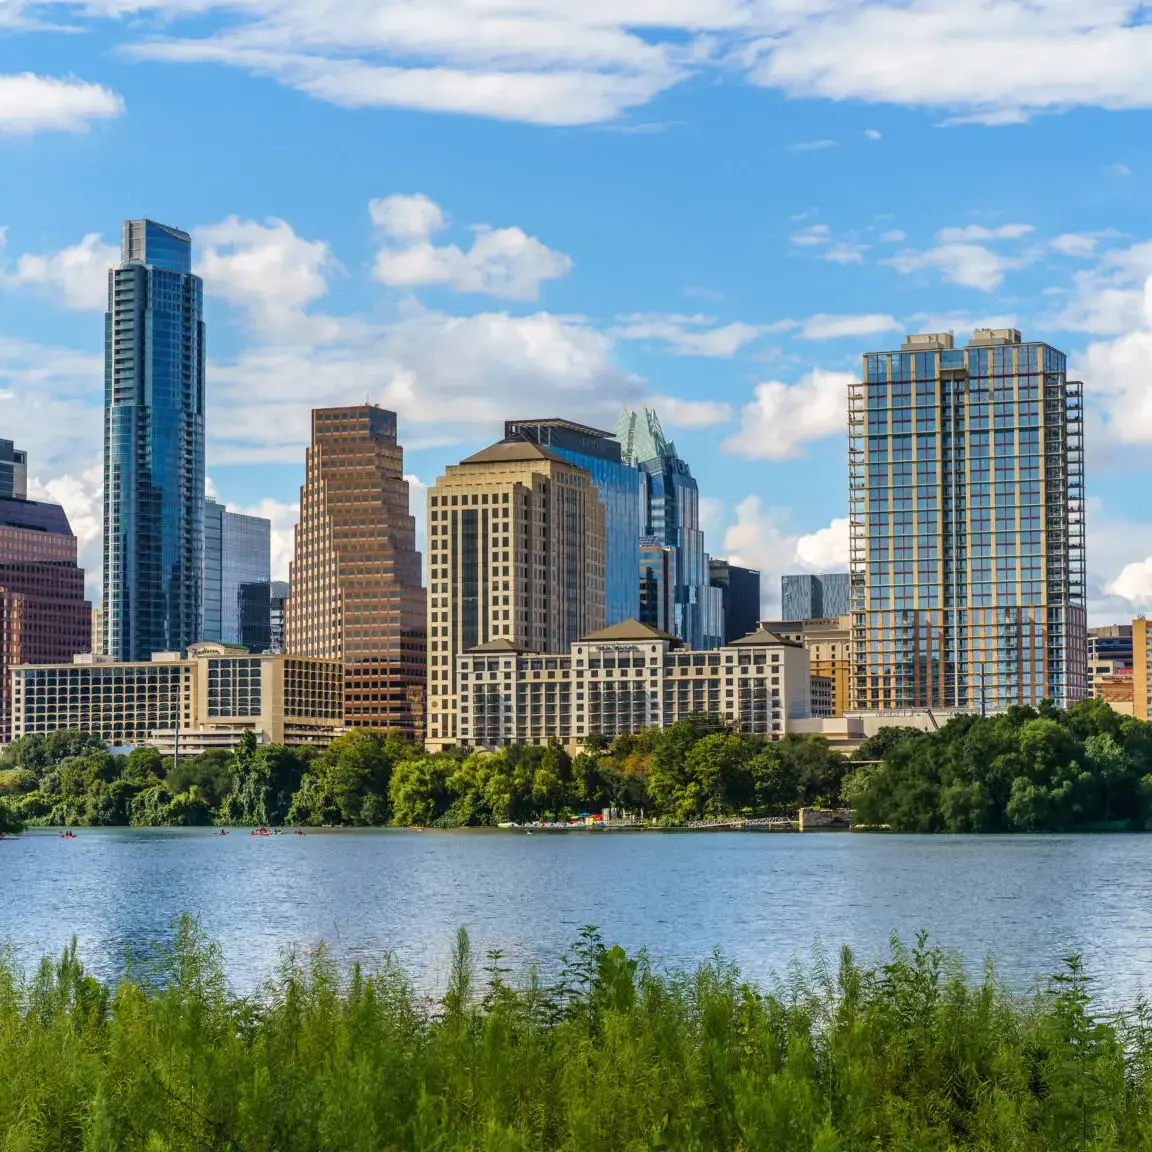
x,y
357,591
966,475
516,544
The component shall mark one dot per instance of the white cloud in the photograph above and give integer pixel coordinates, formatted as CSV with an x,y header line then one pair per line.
x,y
970,265
783,417
813,235
77,276
826,327
872,133
894,236
503,262
264,268
1121,169
764,538
973,232
812,146
846,253
31,103
1134,583
1075,244
689,335
676,412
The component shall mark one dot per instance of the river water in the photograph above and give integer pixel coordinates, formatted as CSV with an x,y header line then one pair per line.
x,y
762,899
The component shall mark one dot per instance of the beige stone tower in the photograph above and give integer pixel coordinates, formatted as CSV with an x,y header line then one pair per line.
x,y
357,592
516,551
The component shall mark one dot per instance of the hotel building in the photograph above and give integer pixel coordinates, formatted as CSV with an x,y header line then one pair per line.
x,y
515,553
207,700
966,474
357,591
828,643
626,678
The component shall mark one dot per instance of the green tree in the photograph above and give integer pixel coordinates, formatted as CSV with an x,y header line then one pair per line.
x,y
10,823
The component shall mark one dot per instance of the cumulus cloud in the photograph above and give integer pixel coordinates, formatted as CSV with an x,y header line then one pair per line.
x,y
782,417
81,495
265,269
503,262
764,538
76,276
31,103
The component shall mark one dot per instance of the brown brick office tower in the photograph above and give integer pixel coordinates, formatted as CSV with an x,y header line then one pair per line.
x,y
357,592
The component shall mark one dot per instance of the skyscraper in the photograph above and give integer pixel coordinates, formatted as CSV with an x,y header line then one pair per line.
x,y
656,585
811,596
278,593
44,617
966,474
237,565
516,561
670,508
153,445
740,592
13,472
620,488
357,592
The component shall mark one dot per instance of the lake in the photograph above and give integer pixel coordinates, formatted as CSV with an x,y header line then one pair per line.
x,y
762,899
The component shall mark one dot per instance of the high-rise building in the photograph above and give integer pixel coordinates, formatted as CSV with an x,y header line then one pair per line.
x,y
237,572
357,592
44,617
740,597
153,445
657,584
515,553
814,596
97,646
278,594
621,489
13,472
966,474
670,508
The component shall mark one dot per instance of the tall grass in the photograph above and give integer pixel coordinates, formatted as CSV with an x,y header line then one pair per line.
x,y
909,1056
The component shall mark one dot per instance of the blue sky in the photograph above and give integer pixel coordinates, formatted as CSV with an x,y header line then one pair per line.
x,y
469,210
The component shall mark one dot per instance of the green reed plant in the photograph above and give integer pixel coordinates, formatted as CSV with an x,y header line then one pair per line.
x,y
615,1055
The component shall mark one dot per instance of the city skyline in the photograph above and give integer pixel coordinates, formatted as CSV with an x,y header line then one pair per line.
x,y
636,256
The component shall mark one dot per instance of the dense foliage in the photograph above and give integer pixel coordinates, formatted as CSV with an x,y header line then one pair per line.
x,y
615,1057
690,771
1027,770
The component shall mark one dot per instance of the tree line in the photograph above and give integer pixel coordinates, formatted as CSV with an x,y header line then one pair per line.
x,y
1027,770
693,770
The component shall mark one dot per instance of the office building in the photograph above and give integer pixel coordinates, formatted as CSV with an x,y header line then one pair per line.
x,y
43,614
814,596
153,445
357,591
278,593
657,584
829,647
670,510
966,475
185,705
237,573
740,597
620,488
13,472
516,553
624,679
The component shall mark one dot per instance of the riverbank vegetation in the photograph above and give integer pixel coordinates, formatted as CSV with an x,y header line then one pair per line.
x,y
614,1056
690,771
1028,770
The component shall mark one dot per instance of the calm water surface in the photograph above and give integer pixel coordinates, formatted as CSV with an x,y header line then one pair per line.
x,y
762,899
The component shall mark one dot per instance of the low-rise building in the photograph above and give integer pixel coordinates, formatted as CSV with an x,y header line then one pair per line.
x,y
184,705
624,679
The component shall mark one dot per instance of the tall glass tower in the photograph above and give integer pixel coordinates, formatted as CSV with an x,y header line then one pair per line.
x,y
966,473
153,445
620,488
237,573
670,506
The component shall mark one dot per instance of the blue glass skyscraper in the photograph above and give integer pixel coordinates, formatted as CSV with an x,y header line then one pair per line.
x,y
671,511
153,445
620,488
